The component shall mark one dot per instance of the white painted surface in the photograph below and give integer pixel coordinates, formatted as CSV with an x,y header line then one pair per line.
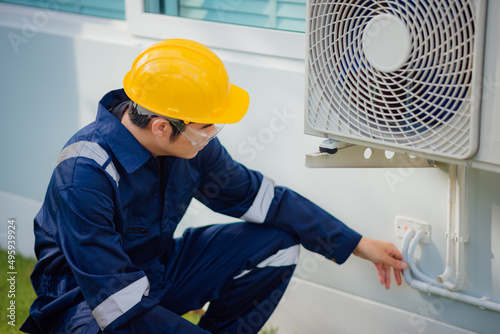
x,y
309,308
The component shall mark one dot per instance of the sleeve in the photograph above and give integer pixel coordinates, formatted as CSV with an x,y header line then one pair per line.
x,y
230,188
116,291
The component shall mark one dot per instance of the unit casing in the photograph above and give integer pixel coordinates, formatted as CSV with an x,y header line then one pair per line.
x,y
416,77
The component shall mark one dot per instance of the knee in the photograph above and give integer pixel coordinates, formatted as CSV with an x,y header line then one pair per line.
x,y
288,253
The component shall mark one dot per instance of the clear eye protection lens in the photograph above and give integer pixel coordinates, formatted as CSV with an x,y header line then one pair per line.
x,y
199,137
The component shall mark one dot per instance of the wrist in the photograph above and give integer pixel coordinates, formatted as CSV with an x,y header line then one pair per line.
x,y
358,250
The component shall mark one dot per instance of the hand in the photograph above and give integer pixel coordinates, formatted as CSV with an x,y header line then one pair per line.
x,y
384,255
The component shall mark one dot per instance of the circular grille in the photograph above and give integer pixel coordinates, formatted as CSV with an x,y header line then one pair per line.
x,y
394,72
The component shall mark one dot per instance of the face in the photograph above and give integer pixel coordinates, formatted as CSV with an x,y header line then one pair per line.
x,y
183,146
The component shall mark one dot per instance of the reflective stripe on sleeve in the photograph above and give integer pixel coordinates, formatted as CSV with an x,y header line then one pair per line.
x,y
260,206
284,257
120,302
90,150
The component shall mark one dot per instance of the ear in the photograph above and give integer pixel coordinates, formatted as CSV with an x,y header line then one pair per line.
x,y
160,127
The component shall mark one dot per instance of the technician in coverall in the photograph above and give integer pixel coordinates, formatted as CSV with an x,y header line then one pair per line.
x,y
107,258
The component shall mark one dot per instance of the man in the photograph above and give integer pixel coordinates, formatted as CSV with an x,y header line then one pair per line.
x,y
104,235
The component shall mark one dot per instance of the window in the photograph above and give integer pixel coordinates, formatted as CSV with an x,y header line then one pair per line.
x,y
113,9
268,27
272,14
264,27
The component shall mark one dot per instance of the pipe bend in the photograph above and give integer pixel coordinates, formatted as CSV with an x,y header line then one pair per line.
x,y
404,250
445,276
416,271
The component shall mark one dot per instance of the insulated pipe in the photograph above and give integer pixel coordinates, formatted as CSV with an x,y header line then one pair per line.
x,y
452,198
416,271
411,262
483,302
404,250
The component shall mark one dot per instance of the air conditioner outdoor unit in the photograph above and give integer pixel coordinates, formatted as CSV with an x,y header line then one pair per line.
x,y
420,77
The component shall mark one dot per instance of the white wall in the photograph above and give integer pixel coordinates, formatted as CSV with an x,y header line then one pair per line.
x,y
52,81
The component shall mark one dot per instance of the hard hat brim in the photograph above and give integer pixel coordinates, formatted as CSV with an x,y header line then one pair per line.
x,y
236,108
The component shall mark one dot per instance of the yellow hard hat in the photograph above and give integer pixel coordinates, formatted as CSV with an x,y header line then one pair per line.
x,y
183,79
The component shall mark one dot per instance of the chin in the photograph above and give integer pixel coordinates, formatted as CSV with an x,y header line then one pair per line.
x,y
189,155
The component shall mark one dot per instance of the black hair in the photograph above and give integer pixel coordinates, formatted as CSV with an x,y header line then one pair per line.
x,y
143,120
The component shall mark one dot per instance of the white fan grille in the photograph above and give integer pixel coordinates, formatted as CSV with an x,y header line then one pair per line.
x,y
425,105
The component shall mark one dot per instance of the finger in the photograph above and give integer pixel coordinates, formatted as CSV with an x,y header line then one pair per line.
x,y
387,270
397,276
381,273
395,253
396,264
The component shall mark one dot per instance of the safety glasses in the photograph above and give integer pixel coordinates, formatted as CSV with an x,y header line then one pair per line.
x,y
197,137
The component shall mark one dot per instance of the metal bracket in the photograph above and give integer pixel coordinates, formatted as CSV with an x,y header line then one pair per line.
x,y
349,156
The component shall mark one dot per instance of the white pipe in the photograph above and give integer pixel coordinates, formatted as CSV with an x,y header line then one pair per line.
x,y
460,230
450,230
455,236
404,250
416,271
411,262
483,302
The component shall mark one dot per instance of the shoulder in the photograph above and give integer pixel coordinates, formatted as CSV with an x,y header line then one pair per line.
x,y
86,161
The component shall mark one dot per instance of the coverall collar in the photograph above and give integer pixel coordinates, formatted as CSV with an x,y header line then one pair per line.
x,y
129,152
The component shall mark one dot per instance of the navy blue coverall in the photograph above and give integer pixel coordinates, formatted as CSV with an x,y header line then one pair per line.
x,y
107,258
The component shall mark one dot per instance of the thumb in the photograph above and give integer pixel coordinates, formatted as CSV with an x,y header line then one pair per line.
x,y
400,265
396,264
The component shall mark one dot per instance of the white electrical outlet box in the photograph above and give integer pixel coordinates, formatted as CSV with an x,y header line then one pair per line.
x,y
404,223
